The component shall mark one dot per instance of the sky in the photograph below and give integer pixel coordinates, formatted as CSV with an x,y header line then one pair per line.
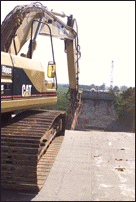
x,y
106,32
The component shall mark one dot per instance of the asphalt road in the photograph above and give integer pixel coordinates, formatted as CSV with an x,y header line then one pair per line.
x,y
90,166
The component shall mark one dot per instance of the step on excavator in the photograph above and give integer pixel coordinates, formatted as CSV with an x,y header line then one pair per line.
x,y
30,138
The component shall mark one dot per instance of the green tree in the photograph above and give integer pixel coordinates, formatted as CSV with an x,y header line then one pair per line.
x,y
125,107
123,88
116,89
92,86
102,87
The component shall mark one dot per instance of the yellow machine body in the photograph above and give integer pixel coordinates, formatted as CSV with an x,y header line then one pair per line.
x,y
23,84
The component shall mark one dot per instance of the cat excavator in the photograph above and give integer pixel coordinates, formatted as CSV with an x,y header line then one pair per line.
x,y
29,136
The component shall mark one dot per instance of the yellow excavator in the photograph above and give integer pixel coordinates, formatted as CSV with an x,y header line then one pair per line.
x,y
27,136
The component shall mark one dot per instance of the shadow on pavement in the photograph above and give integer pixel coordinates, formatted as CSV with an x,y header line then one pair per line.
x,y
14,195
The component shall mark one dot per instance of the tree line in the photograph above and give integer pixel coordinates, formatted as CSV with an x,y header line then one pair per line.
x,y
101,87
125,108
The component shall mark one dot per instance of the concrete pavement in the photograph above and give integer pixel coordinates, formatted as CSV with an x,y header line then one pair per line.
x,y
92,166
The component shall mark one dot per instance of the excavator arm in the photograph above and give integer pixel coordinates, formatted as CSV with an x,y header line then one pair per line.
x,y
16,28
25,23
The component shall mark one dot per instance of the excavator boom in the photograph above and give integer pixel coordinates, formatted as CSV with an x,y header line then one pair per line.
x,y
16,28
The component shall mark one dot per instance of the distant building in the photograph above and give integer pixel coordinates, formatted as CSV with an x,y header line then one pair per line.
x,y
103,91
93,90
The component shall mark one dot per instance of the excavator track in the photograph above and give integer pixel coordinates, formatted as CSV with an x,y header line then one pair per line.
x,y
29,145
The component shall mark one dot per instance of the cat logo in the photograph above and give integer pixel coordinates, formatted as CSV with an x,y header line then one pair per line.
x,y
26,90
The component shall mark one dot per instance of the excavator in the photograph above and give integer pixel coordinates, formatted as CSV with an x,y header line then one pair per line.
x,y
31,137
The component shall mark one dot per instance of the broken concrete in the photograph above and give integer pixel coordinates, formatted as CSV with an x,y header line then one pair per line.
x,y
97,111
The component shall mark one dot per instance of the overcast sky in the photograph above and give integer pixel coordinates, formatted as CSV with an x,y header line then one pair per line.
x,y
106,32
